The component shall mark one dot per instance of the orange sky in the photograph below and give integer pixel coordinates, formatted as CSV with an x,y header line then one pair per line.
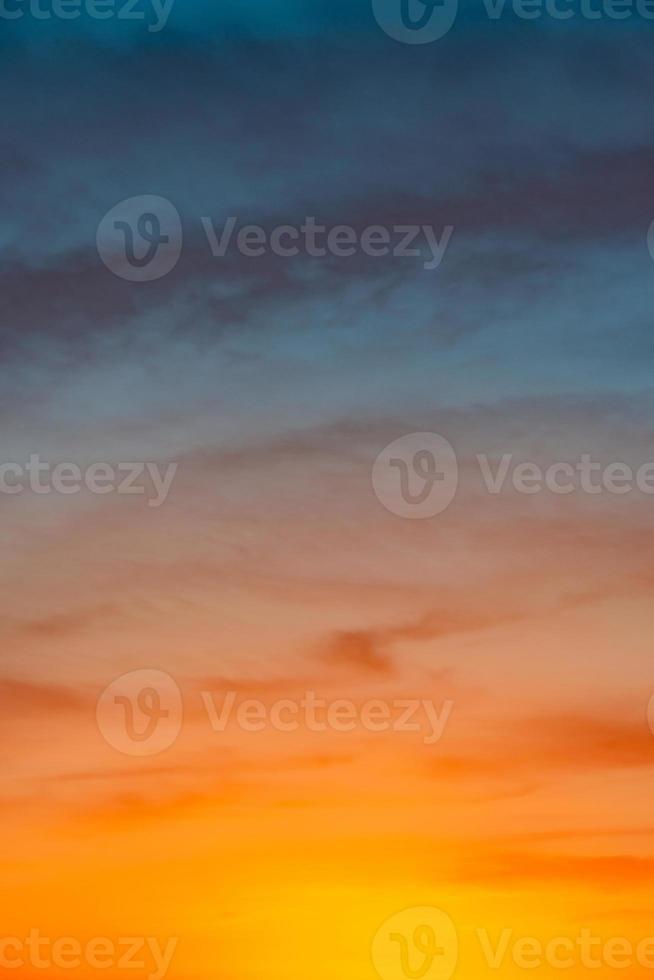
x,y
282,853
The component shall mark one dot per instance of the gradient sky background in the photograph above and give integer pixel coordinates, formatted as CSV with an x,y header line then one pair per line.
x,y
272,568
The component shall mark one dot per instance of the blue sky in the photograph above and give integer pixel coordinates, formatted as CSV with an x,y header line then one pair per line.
x,y
531,139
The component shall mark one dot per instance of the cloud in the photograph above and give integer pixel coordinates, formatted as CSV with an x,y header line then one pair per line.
x,y
27,698
533,752
359,650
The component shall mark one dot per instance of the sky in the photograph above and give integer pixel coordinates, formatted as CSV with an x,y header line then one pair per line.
x,y
275,564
